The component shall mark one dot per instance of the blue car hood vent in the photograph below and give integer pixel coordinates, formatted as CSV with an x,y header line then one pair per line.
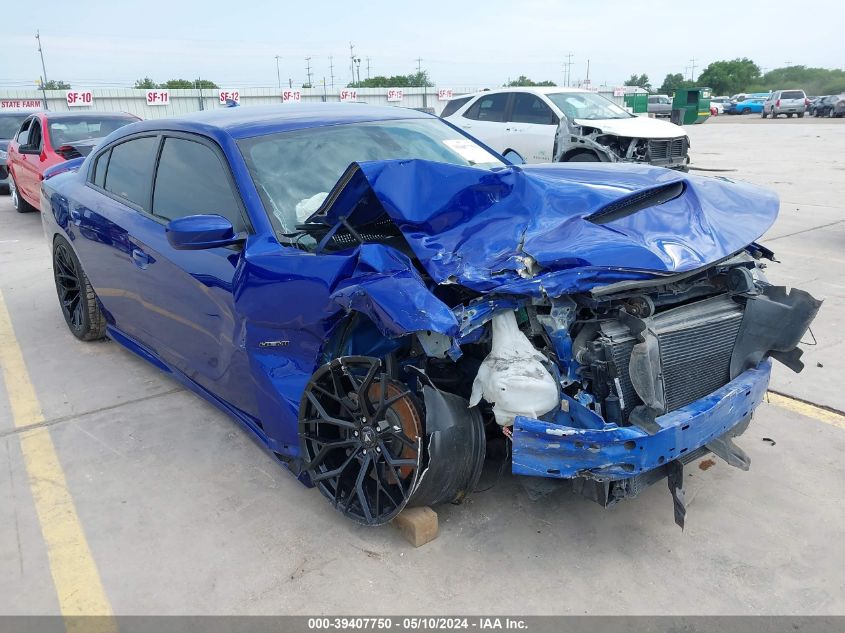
x,y
552,229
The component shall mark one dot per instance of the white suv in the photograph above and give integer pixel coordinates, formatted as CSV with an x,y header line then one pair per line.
x,y
544,125
786,102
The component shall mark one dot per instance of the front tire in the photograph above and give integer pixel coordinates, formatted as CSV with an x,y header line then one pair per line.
x,y
77,300
583,157
763,113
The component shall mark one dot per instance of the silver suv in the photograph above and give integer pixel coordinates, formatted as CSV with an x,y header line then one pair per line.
x,y
786,102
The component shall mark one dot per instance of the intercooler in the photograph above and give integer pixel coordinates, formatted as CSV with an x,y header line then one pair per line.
x,y
667,149
695,343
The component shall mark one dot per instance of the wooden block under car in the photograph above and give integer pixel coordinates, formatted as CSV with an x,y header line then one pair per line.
x,y
417,525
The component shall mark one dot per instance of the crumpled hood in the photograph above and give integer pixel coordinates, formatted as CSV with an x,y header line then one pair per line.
x,y
552,229
635,127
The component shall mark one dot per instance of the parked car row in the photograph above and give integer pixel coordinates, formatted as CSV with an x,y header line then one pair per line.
x,y
37,141
832,106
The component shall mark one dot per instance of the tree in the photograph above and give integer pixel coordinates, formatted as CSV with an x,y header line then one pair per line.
x,y
639,80
672,82
56,84
396,81
523,81
814,81
729,77
175,84
145,84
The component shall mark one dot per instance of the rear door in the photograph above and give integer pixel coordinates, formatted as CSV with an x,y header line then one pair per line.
x,y
486,120
531,128
187,294
102,223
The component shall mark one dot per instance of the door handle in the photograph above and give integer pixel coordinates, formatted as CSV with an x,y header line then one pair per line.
x,y
140,258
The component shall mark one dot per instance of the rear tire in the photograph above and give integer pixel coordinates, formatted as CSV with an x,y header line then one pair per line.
x,y
789,115
763,113
800,115
77,300
21,205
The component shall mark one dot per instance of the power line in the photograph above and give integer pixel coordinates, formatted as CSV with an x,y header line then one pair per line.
x,y
692,69
308,70
331,70
368,67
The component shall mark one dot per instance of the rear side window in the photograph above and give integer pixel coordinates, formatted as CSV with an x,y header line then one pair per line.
x,y
489,108
453,106
100,169
130,169
191,180
792,94
528,108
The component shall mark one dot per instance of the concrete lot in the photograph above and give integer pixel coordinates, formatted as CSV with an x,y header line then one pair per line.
x,y
184,513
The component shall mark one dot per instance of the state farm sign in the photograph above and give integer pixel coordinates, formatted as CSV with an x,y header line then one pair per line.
x,y
14,104
76,98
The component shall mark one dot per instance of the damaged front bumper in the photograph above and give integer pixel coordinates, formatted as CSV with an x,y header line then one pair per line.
x,y
543,449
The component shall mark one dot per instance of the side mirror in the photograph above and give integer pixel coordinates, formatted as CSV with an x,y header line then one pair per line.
x,y
513,158
197,232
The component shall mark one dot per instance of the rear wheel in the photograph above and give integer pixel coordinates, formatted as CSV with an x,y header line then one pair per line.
x,y
76,296
800,115
21,205
789,115
745,111
763,113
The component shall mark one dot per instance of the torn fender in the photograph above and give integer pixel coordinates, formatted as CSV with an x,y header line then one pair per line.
x,y
385,287
529,229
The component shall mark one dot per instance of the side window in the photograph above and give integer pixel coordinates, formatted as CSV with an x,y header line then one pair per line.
x,y
191,180
130,169
489,108
34,140
23,135
528,108
453,106
99,178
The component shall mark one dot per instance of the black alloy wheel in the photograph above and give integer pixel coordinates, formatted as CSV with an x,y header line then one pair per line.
x,y
360,436
76,297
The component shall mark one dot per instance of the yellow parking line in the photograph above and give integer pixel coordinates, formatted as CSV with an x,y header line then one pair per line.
x,y
78,585
805,408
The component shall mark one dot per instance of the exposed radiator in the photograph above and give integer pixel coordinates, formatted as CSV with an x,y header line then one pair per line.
x,y
696,342
665,149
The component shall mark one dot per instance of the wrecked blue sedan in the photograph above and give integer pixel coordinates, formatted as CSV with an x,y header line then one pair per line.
x,y
380,299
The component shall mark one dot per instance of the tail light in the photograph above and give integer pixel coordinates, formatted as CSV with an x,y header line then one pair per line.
x,y
68,151
777,103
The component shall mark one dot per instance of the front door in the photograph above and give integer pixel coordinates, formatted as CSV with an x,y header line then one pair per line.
x,y
187,294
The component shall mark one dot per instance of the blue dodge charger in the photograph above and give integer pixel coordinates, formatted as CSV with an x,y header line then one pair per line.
x,y
381,299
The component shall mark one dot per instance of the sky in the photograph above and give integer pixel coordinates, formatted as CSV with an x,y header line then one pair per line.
x,y
94,43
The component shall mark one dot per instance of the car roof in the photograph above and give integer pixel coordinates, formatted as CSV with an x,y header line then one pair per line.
x,y
52,115
247,121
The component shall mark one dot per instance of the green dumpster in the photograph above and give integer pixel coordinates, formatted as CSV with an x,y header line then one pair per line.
x,y
638,102
694,103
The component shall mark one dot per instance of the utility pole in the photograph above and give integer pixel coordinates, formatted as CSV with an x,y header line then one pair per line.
x,y
587,80
568,64
420,80
278,74
358,67
692,69
40,52
352,61
331,71
308,70
368,67
44,70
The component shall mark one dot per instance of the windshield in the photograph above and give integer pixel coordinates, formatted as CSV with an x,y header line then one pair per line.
x,y
69,130
9,124
295,171
587,105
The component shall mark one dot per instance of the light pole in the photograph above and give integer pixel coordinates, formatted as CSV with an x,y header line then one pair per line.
x,y
358,69
278,74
